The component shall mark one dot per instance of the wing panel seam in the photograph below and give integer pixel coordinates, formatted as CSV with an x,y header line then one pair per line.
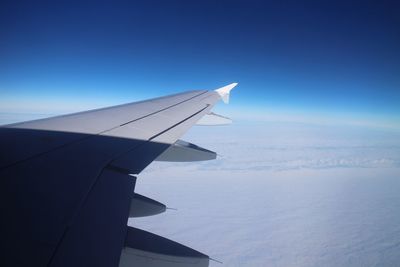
x,y
160,110
91,135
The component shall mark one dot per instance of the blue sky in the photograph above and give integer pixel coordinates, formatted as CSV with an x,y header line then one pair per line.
x,y
319,60
290,184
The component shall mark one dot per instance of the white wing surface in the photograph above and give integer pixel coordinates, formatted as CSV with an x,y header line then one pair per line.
x,y
67,183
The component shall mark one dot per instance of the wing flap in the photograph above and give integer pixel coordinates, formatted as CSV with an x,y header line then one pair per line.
x,y
146,249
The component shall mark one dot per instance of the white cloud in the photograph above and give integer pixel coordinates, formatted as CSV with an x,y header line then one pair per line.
x,y
283,195
289,147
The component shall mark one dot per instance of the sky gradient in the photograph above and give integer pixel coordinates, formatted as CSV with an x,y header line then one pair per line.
x,y
319,60
281,192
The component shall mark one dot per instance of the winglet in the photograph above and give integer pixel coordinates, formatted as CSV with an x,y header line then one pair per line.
x,y
224,92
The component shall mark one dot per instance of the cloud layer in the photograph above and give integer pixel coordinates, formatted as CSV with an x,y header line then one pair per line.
x,y
283,195
260,147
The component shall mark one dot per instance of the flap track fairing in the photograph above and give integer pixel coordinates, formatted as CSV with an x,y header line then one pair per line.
x,y
146,249
142,206
182,151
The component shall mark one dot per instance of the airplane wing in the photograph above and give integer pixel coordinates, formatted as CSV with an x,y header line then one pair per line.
x,y
67,183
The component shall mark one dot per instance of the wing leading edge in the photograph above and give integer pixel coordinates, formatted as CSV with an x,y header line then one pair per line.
x,y
67,183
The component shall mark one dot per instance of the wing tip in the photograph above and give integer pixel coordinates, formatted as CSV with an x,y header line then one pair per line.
x,y
225,91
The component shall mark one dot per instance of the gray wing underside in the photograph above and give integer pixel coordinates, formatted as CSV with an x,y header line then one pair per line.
x,y
67,182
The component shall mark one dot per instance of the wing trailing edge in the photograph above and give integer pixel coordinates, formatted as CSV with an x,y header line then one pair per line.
x,y
213,119
182,151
